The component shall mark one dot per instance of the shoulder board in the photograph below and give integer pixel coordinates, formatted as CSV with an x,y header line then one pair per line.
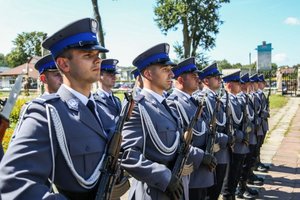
x,y
138,98
172,97
46,98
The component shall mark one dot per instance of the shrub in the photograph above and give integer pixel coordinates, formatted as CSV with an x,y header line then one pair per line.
x,y
13,119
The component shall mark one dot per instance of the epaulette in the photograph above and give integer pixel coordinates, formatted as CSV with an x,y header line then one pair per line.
x,y
138,97
172,97
46,98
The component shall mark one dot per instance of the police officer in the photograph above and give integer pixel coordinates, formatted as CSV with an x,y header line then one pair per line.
x,y
49,74
138,85
257,104
104,96
244,191
264,117
152,135
61,136
211,79
181,100
240,146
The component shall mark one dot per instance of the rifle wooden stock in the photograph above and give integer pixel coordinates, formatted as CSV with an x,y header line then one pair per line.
x,y
186,139
110,168
213,129
4,124
228,112
245,126
256,115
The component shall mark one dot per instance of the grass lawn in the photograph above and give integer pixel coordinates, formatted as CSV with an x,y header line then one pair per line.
x,y
277,101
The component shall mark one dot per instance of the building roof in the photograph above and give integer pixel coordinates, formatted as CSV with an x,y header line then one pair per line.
x,y
32,72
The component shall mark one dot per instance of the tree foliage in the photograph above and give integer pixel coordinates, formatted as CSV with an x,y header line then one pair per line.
x,y
199,20
2,60
27,44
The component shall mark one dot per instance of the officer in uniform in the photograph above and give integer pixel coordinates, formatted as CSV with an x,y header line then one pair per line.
x,y
257,104
210,77
240,146
49,74
138,85
62,136
104,96
152,135
244,191
181,100
264,117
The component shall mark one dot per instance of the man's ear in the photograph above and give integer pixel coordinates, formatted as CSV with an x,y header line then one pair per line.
x,y
147,73
205,81
43,78
63,64
180,79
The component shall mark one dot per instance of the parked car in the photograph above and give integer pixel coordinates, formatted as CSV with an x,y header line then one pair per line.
x,y
117,85
274,87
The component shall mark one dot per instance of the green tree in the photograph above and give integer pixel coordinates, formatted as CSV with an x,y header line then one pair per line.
x,y
100,31
2,60
27,44
224,64
199,20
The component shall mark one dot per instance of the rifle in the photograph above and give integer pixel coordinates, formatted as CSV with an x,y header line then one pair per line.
x,y
111,164
213,129
8,105
256,115
186,140
246,128
269,93
229,123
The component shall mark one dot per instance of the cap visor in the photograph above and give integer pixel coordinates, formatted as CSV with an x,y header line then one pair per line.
x,y
168,63
94,47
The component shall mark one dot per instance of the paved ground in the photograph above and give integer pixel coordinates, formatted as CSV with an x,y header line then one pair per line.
x,y
282,152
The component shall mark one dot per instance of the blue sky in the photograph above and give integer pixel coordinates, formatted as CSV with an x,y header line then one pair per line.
x,y
130,28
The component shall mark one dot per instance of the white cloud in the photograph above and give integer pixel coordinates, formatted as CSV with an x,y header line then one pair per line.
x,y
280,58
292,21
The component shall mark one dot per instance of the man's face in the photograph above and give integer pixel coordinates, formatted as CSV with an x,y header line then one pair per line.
x,y
161,76
108,79
261,85
213,82
190,82
255,86
53,79
236,86
84,66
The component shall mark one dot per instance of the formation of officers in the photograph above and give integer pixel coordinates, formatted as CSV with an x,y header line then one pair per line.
x,y
62,136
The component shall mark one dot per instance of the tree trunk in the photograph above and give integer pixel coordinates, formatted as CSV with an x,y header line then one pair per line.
x,y
100,32
186,39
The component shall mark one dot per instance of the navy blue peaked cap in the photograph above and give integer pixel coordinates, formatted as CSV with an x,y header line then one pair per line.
x,y
109,65
135,72
261,78
46,63
159,54
80,34
254,78
245,78
211,70
233,77
185,66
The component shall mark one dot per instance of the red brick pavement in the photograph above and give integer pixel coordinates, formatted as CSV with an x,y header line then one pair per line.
x,y
283,179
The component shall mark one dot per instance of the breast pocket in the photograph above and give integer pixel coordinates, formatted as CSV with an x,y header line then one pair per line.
x,y
167,134
86,154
